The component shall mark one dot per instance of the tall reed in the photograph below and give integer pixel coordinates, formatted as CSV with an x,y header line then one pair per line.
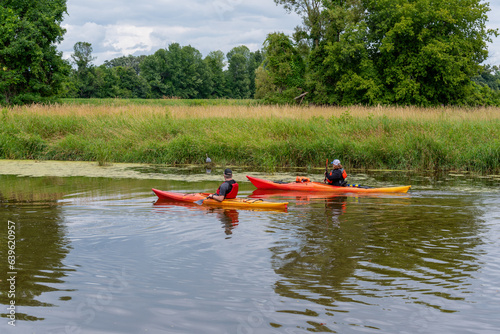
x,y
266,136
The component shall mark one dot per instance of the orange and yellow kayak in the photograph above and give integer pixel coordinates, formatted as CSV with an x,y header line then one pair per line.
x,y
321,187
241,203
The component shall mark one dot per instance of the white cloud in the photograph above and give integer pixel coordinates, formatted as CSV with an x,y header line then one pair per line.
x,y
119,28
127,38
494,23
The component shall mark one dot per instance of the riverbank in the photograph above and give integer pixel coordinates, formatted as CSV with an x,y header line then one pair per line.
x,y
403,138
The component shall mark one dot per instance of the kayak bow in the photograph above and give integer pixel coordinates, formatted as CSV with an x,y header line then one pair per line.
x,y
317,186
242,203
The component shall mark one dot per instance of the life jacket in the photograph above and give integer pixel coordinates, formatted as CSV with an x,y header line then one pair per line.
x,y
300,179
233,189
344,176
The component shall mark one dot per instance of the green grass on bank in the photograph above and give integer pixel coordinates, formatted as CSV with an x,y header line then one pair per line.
x,y
364,142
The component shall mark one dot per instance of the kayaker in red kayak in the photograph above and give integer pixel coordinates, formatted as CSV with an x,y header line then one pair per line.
x,y
337,176
229,189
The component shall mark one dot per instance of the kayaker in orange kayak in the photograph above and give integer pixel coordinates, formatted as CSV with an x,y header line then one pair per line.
x,y
337,175
229,189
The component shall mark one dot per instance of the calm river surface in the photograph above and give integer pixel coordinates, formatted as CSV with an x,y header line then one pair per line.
x,y
96,253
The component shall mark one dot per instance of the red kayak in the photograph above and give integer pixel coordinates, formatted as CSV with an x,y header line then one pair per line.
x,y
241,203
321,187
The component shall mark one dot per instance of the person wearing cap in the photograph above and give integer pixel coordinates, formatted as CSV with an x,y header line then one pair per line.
x,y
337,176
228,189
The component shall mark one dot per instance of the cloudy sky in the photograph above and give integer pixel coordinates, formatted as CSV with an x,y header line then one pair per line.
x,y
118,28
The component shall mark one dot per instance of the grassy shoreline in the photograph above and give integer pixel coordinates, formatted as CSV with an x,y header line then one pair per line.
x,y
246,134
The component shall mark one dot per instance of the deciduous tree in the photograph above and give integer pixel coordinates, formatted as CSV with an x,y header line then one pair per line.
x,y
126,61
427,52
31,69
283,61
215,62
177,71
312,16
238,78
420,52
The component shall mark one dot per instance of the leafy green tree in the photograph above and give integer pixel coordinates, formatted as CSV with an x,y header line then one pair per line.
x,y
324,43
427,52
155,72
130,84
256,58
264,87
188,75
241,50
341,69
238,78
126,61
285,69
177,71
421,52
31,69
215,62
82,55
312,16
105,83
86,79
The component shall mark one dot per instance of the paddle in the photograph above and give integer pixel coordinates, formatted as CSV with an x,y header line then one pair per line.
x,y
326,170
200,201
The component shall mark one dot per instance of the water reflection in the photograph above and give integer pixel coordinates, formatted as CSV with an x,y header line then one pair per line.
x,y
321,253
359,249
335,207
423,245
229,218
41,246
421,262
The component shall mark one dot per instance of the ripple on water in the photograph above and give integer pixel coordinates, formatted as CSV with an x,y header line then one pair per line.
x,y
112,261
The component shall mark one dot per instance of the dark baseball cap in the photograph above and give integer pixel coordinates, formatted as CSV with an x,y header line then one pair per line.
x,y
228,172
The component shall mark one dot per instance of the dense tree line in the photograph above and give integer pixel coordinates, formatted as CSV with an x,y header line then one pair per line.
x,y
175,72
409,52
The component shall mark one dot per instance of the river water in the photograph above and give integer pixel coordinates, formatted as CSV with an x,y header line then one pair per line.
x,y
95,252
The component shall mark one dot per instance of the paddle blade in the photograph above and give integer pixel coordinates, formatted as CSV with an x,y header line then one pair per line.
x,y
200,201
